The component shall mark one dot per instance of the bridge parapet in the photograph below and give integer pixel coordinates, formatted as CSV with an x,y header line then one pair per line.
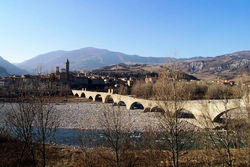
x,y
198,108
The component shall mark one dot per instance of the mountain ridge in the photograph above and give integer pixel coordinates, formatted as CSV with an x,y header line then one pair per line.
x,y
86,58
93,58
226,66
3,72
9,69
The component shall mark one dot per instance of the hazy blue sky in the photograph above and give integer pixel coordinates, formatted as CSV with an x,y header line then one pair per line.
x,y
144,27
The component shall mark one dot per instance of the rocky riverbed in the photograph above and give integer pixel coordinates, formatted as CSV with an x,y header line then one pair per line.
x,y
88,115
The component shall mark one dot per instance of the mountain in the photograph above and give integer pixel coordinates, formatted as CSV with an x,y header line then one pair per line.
x,y
226,66
3,72
6,68
86,58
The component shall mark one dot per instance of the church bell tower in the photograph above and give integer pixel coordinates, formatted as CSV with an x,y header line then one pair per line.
x,y
67,69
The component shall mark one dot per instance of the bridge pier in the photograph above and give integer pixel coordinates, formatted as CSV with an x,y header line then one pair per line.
x,y
110,91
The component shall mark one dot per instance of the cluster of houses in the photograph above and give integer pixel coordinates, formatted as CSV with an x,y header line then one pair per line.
x,y
59,83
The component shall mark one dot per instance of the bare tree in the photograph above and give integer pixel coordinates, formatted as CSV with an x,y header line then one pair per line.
x,y
117,126
123,90
20,120
177,133
227,132
46,122
32,120
142,89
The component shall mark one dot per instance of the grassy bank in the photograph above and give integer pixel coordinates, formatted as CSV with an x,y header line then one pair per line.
x,y
103,157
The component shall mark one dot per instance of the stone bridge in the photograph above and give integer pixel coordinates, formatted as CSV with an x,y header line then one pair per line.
x,y
191,109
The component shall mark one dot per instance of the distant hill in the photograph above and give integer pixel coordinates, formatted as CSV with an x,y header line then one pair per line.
x,y
226,66
86,58
126,70
6,68
3,72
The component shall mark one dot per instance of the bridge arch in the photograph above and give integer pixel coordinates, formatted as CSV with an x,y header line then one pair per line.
x,y
98,98
136,105
182,113
232,114
76,95
83,95
109,99
157,109
121,103
91,98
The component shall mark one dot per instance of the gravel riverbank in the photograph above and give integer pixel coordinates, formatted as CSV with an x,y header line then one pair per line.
x,y
87,115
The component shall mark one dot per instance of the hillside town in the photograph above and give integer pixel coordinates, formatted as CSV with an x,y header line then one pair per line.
x,y
59,83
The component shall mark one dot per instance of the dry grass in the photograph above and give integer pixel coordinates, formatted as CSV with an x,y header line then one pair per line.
x,y
71,157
